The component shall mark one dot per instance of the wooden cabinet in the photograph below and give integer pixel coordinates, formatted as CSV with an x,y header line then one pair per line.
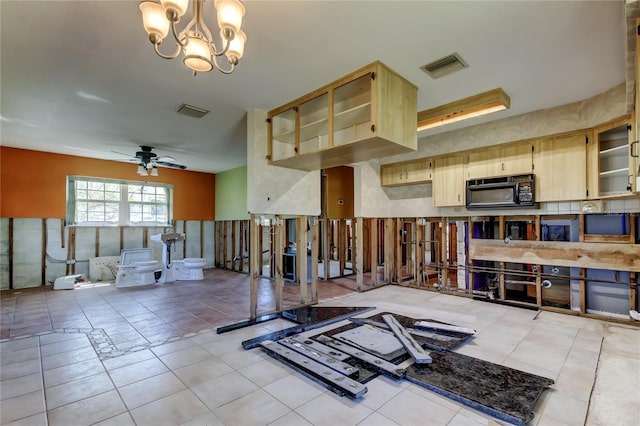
x,y
610,161
500,161
406,173
370,113
560,165
449,181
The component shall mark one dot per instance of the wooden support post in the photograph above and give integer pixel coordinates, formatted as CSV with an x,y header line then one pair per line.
x,y
233,245
342,245
184,243
419,247
632,228
538,228
326,248
581,227
62,226
278,243
145,237
241,248
389,250
366,256
71,250
633,291
301,228
43,262
398,249
201,238
314,261
469,261
583,290
358,235
11,252
373,251
121,238
253,266
97,241
225,243
503,235
444,258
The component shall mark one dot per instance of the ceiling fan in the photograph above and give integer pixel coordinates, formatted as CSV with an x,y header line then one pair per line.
x,y
148,161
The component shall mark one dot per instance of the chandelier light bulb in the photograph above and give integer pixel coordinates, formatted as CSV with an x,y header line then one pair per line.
x,y
197,54
230,14
236,47
154,21
179,6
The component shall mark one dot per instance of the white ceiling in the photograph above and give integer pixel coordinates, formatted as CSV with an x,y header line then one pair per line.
x,y
81,78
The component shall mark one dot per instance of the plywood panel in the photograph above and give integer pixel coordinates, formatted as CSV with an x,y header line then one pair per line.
x,y
584,255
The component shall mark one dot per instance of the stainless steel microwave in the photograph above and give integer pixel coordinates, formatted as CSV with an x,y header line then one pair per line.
x,y
502,192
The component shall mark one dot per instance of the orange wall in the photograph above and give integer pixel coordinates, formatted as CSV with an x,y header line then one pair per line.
x,y
33,184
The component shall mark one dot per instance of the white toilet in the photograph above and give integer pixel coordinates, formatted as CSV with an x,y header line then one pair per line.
x,y
189,268
136,268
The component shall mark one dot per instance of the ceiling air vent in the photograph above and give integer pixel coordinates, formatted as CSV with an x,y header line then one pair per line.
x,y
192,111
444,66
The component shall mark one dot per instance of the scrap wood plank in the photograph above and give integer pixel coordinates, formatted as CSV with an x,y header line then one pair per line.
x,y
378,364
332,380
439,326
413,347
419,333
341,356
318,356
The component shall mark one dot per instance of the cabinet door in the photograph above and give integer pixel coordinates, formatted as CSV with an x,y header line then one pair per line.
x,y
448,181
502,161
517,159
484,163
405,173
282,143
610,163
561,168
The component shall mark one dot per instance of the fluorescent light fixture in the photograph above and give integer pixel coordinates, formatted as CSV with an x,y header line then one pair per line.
x,y
473,106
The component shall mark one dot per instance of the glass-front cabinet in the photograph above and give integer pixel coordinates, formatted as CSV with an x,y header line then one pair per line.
x,y
611,165
370,113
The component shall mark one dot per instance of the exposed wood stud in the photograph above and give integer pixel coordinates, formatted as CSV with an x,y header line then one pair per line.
x,y
10,252
145,237
314,261
373,241
278,243
241,243
184,242
233,245
398,249
253,266
633,291
43,262
97,238
503,287
62,226
358,235
581,227
583,291
121,238
201,239
301,228
389,250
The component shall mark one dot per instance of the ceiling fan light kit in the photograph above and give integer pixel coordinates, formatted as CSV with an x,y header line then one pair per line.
x,y
195,41
149,161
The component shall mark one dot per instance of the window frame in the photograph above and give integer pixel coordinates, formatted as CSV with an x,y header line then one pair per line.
x,y
124,202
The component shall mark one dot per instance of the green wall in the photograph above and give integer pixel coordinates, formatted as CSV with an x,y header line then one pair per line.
x,y
231,194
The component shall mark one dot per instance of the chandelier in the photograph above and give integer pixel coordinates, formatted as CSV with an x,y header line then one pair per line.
x,y
195,40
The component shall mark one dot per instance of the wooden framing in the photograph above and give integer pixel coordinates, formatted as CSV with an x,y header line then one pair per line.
x,y
301,258
373,250
278,244
254,259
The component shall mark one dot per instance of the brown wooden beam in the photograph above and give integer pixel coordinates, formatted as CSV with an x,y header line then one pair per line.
x,y
314,260
278,242
253,267
582,255
11,252
43,258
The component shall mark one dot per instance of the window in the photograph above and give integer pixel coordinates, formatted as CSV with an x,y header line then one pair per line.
x,y
103,202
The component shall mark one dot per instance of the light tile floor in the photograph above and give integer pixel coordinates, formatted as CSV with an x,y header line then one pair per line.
x,y
208,379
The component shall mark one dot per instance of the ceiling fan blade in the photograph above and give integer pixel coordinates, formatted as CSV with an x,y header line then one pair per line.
x,y
171,165
166,159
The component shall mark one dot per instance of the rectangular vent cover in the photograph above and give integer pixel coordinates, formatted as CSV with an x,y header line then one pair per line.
x,y
444,66
192,111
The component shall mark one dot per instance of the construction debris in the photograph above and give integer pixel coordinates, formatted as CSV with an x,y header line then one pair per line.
x,y
414,349
431,325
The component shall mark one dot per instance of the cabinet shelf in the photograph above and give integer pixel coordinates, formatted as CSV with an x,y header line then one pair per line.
x,y
616,150
622,171
353,116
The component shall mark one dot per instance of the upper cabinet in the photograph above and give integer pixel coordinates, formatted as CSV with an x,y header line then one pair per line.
x,y
449,181
406,172
610,160
500,161
560,165
370,113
